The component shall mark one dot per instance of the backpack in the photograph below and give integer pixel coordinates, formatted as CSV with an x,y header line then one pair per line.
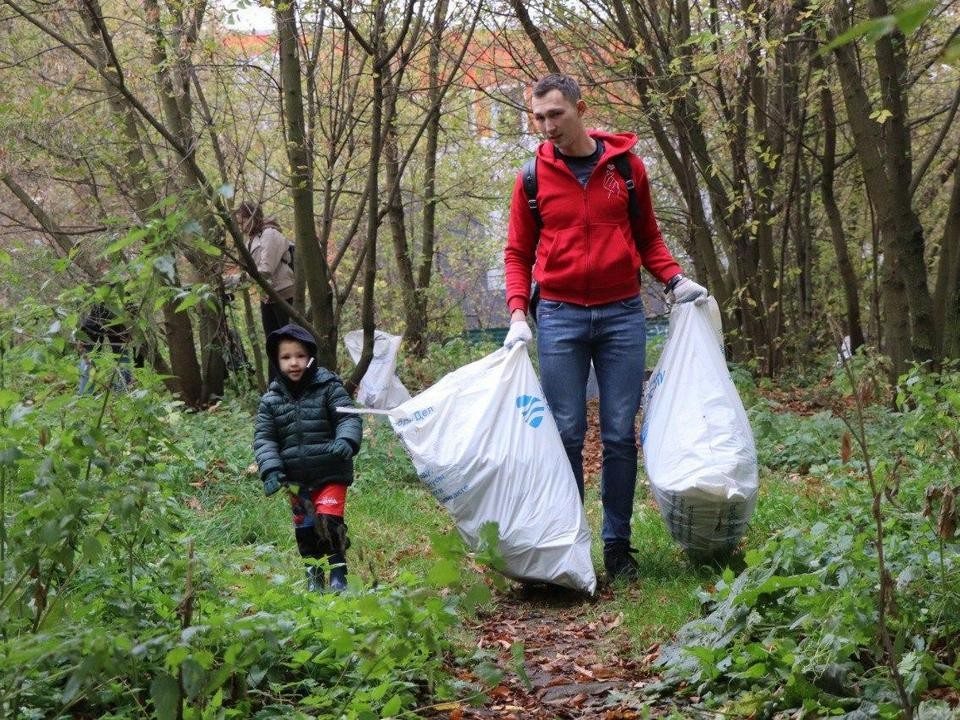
x,y
288,258
529,176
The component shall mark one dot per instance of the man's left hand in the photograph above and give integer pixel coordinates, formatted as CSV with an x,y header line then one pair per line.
x,y
686,290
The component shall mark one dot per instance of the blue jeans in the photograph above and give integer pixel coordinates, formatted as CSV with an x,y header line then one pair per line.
x,y
613,336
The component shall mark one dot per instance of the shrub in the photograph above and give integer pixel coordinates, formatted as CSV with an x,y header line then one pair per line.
x,y
110,608
797,629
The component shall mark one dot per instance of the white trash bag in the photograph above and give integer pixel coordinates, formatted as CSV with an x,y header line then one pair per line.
x,y
698,447
485,444
380,387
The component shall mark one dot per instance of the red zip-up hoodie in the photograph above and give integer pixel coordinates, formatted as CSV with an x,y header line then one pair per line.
x,y
586,253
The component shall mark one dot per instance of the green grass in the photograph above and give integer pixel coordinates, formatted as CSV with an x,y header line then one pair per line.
x,y
390,515
392,519
666,595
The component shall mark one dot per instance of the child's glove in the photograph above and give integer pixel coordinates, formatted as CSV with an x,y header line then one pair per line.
x,y
271,483
340,448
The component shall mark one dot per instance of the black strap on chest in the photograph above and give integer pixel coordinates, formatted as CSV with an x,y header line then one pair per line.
x,y
621,162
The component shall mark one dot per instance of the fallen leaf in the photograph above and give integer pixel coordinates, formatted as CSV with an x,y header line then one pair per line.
x,y
451,706
583,671
846,450
613,622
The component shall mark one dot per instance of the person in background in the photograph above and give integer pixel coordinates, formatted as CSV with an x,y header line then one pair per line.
x,y
303,444
585,258
273,258
102,330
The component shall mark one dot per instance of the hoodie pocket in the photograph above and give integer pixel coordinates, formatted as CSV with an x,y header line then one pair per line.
x,y
612,255
563,257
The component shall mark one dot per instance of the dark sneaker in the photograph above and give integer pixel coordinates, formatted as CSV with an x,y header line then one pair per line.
x,y
620,562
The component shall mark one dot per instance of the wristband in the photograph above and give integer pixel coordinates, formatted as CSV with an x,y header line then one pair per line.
x,y
673,282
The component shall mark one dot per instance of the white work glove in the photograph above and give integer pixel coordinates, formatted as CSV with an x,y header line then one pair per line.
x,y
519,332
686,290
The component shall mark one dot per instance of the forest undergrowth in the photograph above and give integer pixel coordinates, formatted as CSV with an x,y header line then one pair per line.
x,y
142,572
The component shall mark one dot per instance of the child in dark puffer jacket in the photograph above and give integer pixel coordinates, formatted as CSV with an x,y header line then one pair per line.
x,y
303,443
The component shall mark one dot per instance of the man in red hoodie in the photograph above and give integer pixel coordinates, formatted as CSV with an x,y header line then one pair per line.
x,y
585,258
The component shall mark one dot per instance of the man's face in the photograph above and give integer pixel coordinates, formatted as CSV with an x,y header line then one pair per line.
x,y
292,357
558,119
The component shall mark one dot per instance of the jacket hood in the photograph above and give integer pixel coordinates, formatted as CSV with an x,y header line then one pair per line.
x,y
290,332
613,144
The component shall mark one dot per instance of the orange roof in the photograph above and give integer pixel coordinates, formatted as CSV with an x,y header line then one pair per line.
x,y
249,44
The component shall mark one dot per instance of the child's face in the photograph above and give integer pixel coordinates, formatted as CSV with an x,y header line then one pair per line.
x,y
293,358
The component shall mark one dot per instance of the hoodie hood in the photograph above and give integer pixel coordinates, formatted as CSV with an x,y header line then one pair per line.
x,y
613,144
290,332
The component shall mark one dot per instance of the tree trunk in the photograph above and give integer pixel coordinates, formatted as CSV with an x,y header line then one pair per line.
x,y
947,294
909,237
414,321
173,82
416,324
183,354
301,186
179,329
849,283
367,320
884,153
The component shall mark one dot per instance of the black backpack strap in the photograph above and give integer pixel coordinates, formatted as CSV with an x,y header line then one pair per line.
x,y
622,161
529,176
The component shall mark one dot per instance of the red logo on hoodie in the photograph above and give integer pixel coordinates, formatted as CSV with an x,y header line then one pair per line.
x,y
610,182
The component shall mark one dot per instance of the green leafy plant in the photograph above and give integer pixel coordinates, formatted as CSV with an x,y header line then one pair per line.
x,y
802,626
109,604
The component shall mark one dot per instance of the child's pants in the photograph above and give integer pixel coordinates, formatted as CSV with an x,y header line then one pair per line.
x,y
318,521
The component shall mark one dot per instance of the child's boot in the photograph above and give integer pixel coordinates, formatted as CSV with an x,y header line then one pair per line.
x,y
333,537
315,579
338,572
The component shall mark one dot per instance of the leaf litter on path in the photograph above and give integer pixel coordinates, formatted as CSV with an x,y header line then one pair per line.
x,y
576,666
571,662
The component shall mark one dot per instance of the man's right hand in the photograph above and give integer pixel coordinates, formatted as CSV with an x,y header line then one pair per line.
x,y
519,332
271,483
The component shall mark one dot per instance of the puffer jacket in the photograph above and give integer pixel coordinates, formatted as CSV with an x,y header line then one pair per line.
x,y
291,433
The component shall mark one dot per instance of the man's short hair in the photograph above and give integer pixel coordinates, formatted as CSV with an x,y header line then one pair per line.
x,y
567,86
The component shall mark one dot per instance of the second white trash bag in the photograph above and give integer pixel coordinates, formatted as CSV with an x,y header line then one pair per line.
x,y
487,447
698,447
380,387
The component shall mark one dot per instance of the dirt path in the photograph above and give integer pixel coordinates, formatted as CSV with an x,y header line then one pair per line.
x,y
576,668
567,676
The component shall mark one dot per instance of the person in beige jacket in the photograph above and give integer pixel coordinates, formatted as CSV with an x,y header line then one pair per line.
x,y
273,257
